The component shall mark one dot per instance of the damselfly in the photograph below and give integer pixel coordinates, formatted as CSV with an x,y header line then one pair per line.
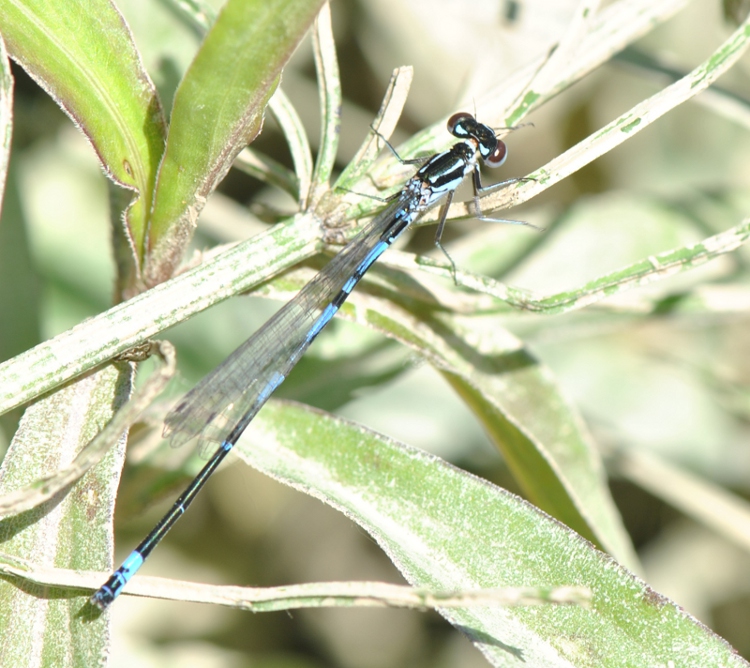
x,y
222,405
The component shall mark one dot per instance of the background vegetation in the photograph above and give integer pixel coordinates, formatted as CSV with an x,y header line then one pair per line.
x,y
653,379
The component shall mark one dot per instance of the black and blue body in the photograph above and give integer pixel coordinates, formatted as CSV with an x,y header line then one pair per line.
x,y
224,402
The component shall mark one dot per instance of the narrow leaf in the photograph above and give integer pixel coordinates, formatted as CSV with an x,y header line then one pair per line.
x,y
61,44
6,116
218,109
43,626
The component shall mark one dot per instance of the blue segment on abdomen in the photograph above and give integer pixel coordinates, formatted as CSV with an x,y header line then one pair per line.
x,y
131,565
323,319
275,380
373,255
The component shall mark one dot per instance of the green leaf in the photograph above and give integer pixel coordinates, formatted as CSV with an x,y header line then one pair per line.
x,y
446,529
330,102
6,115
18,285
44,625
218,109
111,99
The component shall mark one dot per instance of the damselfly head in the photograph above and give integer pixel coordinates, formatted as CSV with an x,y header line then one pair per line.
x,y
464,126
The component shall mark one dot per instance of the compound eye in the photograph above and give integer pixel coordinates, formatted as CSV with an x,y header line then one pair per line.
x,y
457,124
497,157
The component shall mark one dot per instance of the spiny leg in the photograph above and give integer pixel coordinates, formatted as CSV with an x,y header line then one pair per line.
x,y
479,189
439,233
403,161
385,200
